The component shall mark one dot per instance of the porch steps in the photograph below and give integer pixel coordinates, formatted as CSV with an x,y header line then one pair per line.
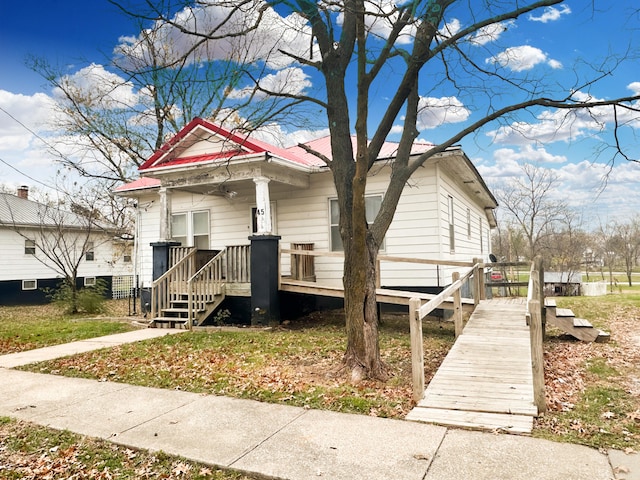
x,y
580,328
177,315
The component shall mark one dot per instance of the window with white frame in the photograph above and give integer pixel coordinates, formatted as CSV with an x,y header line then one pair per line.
x,y
468,223
89,281
191,229
89,253
29,246
452,233
481,234
29,284
179,228
372,207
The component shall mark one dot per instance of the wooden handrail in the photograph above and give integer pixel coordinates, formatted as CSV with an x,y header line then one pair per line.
x,y
385,258
168,283
417,313
204,285
435,302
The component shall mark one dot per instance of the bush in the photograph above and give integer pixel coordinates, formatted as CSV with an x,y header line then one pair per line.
x,y
89,300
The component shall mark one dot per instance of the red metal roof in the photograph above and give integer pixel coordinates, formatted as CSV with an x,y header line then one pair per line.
x,y
139,184
244,146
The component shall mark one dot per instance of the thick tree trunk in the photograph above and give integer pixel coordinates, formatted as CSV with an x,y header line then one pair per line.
x,y
362,356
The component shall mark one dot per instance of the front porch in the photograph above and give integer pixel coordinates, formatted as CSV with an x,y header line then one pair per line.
x,y
197,282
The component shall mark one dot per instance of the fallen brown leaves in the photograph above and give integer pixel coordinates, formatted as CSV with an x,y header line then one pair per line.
x,y
297,365
593,389
32,452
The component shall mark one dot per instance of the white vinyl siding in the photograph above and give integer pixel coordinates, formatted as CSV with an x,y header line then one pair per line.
x,y
419,228
36,267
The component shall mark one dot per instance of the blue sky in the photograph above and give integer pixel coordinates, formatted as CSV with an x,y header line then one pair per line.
x,y
557,44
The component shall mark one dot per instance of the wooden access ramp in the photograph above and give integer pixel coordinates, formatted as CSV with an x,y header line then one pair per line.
x,y
486,381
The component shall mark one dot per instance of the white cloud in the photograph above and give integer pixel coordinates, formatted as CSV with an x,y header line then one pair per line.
x,y
551,14
380,18
529,154
565,125
592,190
20,114
99,88
433,112
450,28
268,34
275,135
521,58
634,87
290,81
491,33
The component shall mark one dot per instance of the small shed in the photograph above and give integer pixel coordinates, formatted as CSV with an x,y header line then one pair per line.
x,y
562,284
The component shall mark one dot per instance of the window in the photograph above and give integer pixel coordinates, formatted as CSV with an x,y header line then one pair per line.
x,y
200,223
89,254
468,223
89,281
29,285
179,228
481,235
372,207
191,229
452,237
126,258
29,247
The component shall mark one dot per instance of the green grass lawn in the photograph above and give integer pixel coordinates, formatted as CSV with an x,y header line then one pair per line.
x,y
28,327
297,364
593,389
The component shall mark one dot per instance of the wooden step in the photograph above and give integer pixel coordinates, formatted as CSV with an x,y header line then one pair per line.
x,y
168,322
564,312
603,336
582,323
499,422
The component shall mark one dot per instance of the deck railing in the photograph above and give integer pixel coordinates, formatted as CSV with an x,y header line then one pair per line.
x,y
535,320
417,312
204,285
238,264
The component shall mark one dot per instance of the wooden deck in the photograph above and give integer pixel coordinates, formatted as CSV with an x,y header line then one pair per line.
x,y
383,295
485,382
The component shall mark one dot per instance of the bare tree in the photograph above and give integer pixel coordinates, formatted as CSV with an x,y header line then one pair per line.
x,y
528,202
414,54
627,243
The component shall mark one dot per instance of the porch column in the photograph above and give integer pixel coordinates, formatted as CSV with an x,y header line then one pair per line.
x,y
165,214
164,243
265,279
263,206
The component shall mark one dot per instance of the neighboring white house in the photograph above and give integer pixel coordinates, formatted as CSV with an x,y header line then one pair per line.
x,y
211,188
29,229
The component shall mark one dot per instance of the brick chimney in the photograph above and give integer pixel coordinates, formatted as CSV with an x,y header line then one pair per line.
x,y
23,192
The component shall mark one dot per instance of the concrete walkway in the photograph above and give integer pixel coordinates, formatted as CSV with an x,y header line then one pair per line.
x,y
279,441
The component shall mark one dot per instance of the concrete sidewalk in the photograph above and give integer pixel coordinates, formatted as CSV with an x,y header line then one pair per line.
x,y
279,441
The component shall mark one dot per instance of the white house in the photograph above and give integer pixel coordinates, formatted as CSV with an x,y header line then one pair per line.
x,y
32,235
211,189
